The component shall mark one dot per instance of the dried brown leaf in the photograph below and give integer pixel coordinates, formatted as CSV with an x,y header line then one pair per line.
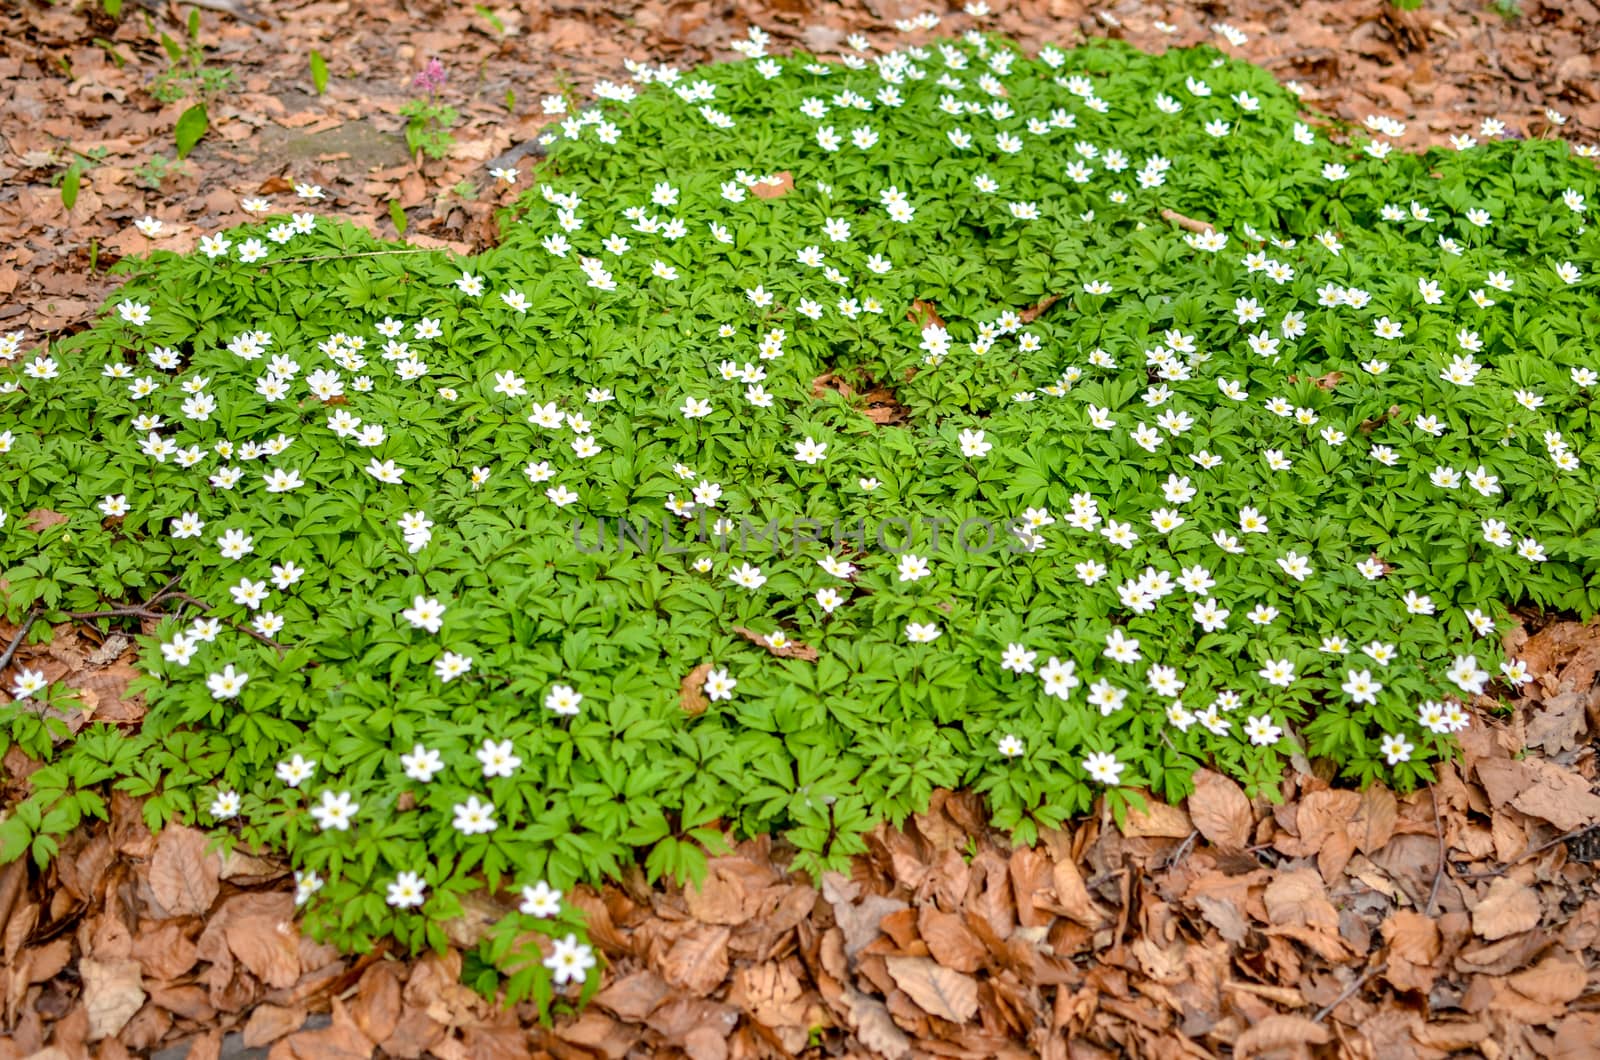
x,y
1375,819
937,990
874,1026
43,963
1157,820
183,873
1412,936
634,996
949,940
1037,310
1280,1032
781,185
858,921
1072,894
164,950
923,314
268,1023
1220,810
1556,980
771,993
1558,795
790,650
112,992
42,519
376,1007
1559,723
691,692
1189,223
698,961
1223,914
267,945
1509,907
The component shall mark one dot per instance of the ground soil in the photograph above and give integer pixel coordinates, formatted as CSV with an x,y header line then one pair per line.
x,y
1461,919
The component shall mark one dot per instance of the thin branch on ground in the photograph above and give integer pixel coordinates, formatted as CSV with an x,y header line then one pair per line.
x,y
16,641
1350,991
1524,856
1439,870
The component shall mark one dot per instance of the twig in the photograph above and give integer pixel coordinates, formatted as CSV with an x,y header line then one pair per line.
x,y
246,630
1104,877
1186,222
1438,830
1524,856
357,254
1182,851
1350,991
16,642
134,611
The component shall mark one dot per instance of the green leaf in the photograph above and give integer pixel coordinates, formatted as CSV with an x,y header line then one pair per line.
x,y
398,216
192,125
319,72
69,184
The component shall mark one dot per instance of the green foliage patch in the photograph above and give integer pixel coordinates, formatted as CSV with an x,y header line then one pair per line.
x,y
1153,494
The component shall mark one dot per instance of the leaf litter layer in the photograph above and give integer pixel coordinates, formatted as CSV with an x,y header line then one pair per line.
x,y
1254,486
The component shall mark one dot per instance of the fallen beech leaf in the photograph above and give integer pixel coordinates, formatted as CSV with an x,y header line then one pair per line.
x,y
267,945
44,963
375,1010
1558,795
1220,810
874,1026
1280,1032
1556,980
1189,223
1576,1036
1376,815
1508,908
691,692
1412,936
860,922
1559,723
1035,311
790,650
924,315
726,895
1453,1036
342,1041
1321,382
1157,820
163,950
42,519
112,993
698,961
183,874
948,938
828,381
937,990
1072,894
781,185
268,1023
593,1031
771,994
1502,778
634,996
1224,915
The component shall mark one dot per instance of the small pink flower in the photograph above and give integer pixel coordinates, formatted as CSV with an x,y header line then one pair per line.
x,y
432,77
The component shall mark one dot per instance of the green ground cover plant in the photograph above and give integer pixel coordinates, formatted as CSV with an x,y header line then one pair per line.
x,y
1217,440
